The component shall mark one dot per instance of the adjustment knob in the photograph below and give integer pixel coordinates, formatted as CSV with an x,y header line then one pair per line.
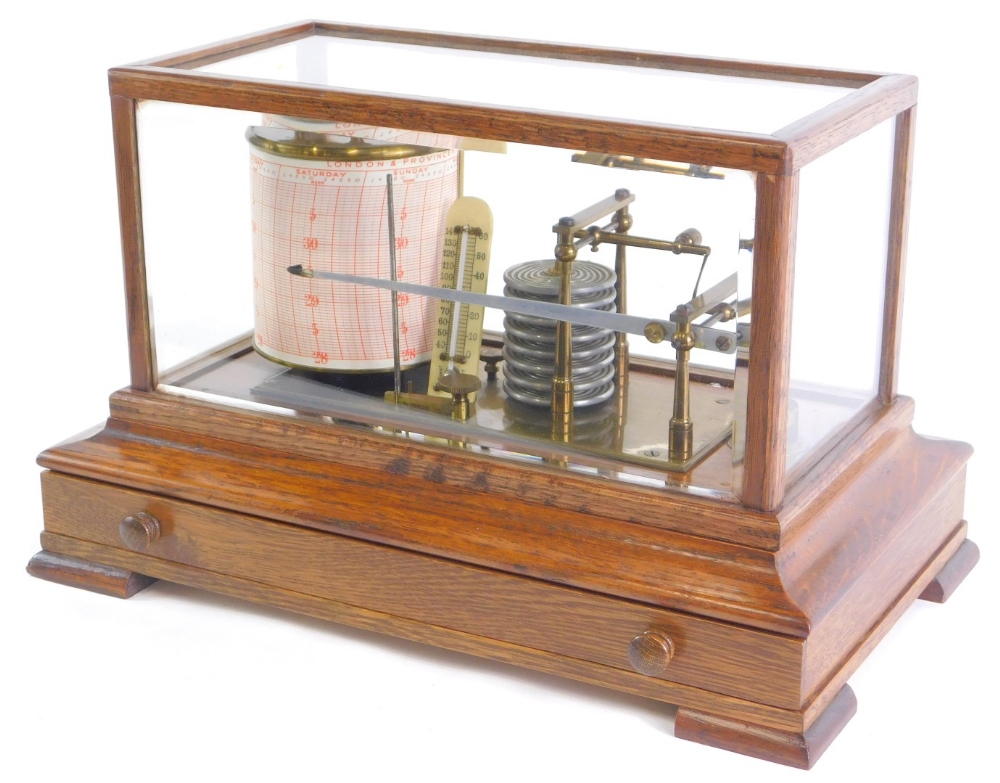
x,y
650,653
138,531
491,357
459,385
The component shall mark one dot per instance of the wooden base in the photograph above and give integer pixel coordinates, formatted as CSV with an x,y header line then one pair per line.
x,y
97,578
953,573
759,619
796,749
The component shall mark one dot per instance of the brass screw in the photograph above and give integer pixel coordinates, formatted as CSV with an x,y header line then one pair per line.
x,y
682,340
655,332
723,343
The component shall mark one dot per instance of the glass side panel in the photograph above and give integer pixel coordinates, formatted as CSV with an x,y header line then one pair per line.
x,y
273,261
194,218
839,288
536,83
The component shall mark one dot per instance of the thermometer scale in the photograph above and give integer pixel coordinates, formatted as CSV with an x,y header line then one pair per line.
x,y
464,267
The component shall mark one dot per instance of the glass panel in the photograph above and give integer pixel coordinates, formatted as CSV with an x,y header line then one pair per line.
x,y
194,219
271,249
839,286
536,83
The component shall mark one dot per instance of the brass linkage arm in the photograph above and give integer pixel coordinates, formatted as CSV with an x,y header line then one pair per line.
x,y
682,244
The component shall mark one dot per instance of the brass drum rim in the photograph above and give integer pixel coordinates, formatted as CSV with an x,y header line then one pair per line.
x,y
300,145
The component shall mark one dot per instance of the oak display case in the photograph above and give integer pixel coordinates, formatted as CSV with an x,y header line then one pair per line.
x,y
730,526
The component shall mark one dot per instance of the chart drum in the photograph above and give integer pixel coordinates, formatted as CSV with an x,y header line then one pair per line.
x,y
320,200
357,130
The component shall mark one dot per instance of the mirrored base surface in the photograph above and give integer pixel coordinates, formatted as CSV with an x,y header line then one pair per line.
x,y
626,437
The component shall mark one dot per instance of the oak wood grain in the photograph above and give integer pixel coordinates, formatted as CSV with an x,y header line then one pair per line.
x,y
142,363
205,55
848,117
631,57
807,576
794,749
840,458
830,585
770,342
137,531
233,47
750,615
481,527
727,659
871,640
845,573
87,575
651,652
575,668
733,149
895,267
952,573
719,518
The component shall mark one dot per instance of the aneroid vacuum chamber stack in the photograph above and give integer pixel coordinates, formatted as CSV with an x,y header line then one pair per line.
x,y
570,357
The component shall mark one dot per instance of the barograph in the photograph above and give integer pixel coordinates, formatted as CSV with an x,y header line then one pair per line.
x,y
586,379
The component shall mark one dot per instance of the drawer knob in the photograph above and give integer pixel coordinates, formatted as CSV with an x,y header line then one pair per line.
x,y
140,530
650,653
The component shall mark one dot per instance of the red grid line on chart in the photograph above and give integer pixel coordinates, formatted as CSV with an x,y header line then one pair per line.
x,y
379,243
332,265
300,212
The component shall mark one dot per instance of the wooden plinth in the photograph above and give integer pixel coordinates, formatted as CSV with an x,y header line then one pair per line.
x,y
751,624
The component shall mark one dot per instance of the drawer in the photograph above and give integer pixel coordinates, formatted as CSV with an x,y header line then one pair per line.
x,y
527,612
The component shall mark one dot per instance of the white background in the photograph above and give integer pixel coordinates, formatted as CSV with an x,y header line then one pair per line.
x,y
175,684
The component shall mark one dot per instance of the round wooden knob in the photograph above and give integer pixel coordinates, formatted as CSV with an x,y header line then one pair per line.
x,y
139,531
650,653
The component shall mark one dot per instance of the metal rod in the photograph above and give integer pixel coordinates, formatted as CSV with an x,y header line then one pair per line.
x,y
721,312
681,426
585,217
633,324
715,295
588,239
623,222
647,164
397,373
701,271
562,378
599,236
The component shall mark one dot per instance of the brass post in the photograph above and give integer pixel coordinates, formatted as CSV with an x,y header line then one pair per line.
x,y
681,439
562,379
623,222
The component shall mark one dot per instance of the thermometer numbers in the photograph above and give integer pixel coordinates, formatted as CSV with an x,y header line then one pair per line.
x,y
464,267
466,314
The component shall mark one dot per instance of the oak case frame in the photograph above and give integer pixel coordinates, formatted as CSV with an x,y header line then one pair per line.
x,y
811,605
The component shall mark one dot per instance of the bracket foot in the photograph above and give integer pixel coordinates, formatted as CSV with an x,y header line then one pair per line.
x,y
952,573
790,748
95,577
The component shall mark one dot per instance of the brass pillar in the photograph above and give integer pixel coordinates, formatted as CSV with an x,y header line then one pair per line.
x,y
681,439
